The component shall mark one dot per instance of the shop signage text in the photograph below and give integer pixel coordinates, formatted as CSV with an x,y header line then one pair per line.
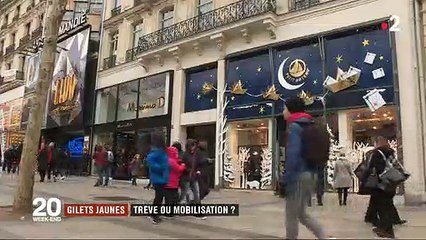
x,y
65,89
161,101
64,28
125,125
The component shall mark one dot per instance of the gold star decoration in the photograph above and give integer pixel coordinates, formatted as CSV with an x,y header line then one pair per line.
x,y
365,42
315,82
259,69
271,94
238,89
381,57
207,88
262,110
339,58
198,96
306,97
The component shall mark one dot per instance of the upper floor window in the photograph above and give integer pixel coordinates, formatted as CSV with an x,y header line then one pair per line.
x,y
6,19
1,45
167,17
28,28
18,10
114,43
96,6
12,38
205,6
117,3
81,7
137,33
8,66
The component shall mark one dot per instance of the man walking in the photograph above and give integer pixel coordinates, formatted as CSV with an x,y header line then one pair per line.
x,y
300,175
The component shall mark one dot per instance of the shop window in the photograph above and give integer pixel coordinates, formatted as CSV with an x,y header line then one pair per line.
x,y
364,124
137,33
249,156
127,101
106,103
154,95
200,93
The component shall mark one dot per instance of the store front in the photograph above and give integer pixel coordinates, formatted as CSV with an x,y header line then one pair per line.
x,y
10,124
345,79
126,115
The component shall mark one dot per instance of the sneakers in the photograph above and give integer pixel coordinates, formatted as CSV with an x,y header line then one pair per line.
x,y
63,178
155,220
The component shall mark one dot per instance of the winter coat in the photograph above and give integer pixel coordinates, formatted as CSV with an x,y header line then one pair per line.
x,y
176,168
295,165
135,166
342,174
100,158
158,164
378,163
42,160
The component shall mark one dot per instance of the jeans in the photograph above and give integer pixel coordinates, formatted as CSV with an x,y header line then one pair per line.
x,y
185,191
159,196
384,201
102,172
296,205
195,187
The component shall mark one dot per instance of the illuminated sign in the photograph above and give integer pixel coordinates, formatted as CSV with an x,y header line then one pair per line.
x,y
65,89
161,101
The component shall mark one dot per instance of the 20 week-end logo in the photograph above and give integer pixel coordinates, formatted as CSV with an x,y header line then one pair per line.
x,y
47,210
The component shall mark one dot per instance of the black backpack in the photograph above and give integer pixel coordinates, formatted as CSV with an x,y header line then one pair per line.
x,y
315,144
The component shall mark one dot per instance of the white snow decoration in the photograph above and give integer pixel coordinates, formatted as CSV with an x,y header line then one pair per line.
x,y
378,73
266,167
243,156
228,175
374,99
253,184
369,58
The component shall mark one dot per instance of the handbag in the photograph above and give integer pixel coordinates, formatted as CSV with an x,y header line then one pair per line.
x,y
394,172
372,180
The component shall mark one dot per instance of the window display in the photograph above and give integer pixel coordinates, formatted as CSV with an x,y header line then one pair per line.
x,y
127,101
106,102
154,95
250,154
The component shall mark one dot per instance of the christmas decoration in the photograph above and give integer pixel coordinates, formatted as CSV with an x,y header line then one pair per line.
x,y
207,88
374,99
271,93
238,89
266,168
306,97
343,79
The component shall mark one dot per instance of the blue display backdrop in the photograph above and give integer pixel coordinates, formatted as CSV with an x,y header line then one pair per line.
x,y
352,51
195,99
298,69
255,76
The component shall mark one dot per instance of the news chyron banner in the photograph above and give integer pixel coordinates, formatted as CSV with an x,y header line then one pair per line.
x,y
53,210
67,88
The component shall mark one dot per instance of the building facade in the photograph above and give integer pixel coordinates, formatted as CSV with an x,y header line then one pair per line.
x,y
227,67
21,39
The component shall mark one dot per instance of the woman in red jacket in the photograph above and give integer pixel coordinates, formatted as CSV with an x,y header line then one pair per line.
x,y
176,169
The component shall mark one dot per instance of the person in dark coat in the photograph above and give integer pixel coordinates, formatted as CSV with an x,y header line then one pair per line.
x,y
382,200
8,157
202,167
187,156
42,160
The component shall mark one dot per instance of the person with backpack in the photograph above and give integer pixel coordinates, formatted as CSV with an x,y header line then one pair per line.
x,y
307,149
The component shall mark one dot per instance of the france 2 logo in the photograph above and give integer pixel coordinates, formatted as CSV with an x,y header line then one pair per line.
x,y
47,210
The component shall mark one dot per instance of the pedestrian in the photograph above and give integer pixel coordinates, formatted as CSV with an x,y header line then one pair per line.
x,y
158,170
299,177
61,163
197,175
8,158
100,158
185,184
342,179
110,163
42,160
382,198
176,169
52,156
134,168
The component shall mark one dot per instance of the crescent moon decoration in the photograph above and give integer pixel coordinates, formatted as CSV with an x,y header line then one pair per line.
x,y
283,81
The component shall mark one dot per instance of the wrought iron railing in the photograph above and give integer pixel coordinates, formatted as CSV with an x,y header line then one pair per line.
x,y
216,18
37,32
139,2
109,62
30,6
24,40
116,11
10,49
16,17
295,5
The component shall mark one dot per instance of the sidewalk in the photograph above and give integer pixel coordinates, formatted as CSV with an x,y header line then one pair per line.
x,y
261,215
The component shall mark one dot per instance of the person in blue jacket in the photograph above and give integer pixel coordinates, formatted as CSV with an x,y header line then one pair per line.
x,y
299,179
159,170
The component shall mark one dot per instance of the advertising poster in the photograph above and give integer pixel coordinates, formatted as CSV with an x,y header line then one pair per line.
x,y
31,76
67,89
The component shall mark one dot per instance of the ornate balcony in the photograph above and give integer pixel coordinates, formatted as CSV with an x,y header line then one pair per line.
x,y
15,18
115,11
295,5
10,49
30,6
37,32
11,79
109,62
4,26
217,18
